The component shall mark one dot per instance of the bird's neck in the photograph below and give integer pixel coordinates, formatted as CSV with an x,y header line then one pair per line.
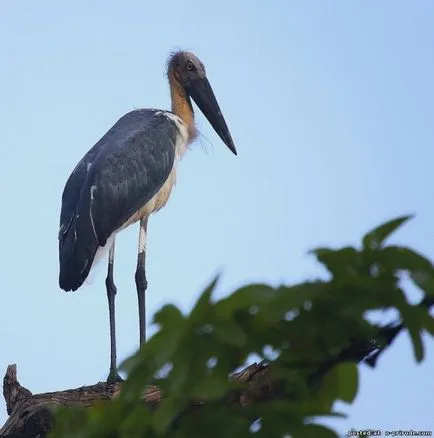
x,y
181,106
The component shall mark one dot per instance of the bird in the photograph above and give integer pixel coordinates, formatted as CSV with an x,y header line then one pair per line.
x,y
127,176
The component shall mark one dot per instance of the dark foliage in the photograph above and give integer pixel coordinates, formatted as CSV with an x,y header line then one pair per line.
x,y
312,337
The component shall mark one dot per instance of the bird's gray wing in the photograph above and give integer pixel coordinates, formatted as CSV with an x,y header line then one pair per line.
x,y
117,177
72,190
129,170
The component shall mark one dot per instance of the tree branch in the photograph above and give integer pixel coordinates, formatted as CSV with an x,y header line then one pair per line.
x,y
30,415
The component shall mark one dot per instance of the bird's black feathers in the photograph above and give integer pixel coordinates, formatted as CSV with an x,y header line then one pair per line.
x,y
117,177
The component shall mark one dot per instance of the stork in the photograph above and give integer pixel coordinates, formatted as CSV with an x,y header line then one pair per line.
x,y
127,176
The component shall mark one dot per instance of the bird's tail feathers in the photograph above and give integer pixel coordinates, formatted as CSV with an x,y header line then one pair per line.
x,y
77,248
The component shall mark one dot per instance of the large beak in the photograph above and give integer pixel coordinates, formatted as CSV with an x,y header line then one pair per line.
x,y
201,92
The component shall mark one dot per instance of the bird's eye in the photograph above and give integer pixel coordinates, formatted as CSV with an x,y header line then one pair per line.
x,y
189,66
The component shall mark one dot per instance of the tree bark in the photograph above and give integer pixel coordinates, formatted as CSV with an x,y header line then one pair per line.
x,y
30,415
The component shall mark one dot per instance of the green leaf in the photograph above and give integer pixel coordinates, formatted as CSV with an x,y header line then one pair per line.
x,y
313,431
348,381
402,258
244,298
157,352
424,280
374,239
231,333
427,322
211,387
179,377
203,304
169,315
414,322
167,410
417,344
343,261
135,422
341,382
289,298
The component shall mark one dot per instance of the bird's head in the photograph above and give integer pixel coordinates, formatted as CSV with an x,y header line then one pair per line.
x,y
189,72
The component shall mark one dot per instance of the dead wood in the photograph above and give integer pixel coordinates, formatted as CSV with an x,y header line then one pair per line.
x,y
30,415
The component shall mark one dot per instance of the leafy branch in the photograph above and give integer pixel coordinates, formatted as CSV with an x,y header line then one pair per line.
x,y
308,338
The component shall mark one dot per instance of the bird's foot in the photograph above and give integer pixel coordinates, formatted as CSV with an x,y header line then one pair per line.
x,y
114,377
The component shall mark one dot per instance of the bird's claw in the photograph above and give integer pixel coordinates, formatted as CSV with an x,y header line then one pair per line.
x,y
114,377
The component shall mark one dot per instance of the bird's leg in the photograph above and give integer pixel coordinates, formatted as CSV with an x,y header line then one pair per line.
x,y
111,293
141,282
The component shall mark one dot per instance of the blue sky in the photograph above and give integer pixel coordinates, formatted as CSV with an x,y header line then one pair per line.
x,y
331,107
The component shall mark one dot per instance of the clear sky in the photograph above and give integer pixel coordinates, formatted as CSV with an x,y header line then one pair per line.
x,y
331,106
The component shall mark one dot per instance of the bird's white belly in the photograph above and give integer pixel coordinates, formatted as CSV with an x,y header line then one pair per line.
x,y
157,202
